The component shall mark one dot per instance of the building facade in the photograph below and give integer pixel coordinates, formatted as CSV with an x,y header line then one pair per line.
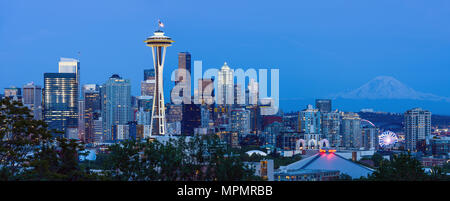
x,y
417,127
331,124
351,130
32,98
225,85
310,120
116,100
61,100
240,121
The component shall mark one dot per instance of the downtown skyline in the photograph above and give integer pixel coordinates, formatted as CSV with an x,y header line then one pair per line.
x,y
330,55
201,90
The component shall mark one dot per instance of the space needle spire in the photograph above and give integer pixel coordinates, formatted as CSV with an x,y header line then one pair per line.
x,y
158,42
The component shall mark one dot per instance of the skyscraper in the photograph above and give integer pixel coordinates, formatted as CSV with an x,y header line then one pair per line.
x,y
148,84
417,127
92,110
331,122
310,121
116,100
61,100
351,130
158,42
32,98
191,118
252,98
144,112
149,74
69,65
174,113
324,105
148,87
81,122
369,136
225,85
205,91
184,62
183,78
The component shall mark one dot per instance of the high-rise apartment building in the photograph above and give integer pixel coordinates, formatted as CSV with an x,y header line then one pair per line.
x,y
331,123
310,121
417,127
351,130
369,135
116,104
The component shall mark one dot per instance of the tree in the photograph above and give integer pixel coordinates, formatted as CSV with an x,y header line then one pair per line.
x,y
195,159
20,138
29,152
377,158
401,168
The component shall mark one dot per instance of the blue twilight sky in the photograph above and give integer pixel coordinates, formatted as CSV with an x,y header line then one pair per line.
x,y
321,47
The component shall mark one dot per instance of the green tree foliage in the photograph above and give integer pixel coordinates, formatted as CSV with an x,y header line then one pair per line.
x,y
20,137
29,152
377,158
197,159
404,168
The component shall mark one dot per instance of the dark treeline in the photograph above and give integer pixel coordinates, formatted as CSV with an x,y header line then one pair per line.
x,y
29,151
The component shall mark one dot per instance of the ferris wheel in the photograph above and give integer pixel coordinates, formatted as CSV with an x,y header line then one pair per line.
x,y
387,138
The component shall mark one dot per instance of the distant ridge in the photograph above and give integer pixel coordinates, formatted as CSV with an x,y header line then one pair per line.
x,y
386,87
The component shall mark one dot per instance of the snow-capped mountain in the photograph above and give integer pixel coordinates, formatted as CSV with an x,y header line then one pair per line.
x,y
386,87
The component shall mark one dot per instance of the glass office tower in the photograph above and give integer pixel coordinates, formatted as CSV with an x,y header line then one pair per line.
x,y
116,100
61,100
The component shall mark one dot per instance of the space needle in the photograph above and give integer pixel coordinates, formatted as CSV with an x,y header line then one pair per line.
x,y
158,42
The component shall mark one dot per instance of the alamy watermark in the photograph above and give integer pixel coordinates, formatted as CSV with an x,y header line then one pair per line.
x,y
227,86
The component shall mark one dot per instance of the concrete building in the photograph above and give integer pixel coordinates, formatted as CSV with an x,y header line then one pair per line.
x,y
331,124
351,130
32,98
417,127
240,120
310,120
